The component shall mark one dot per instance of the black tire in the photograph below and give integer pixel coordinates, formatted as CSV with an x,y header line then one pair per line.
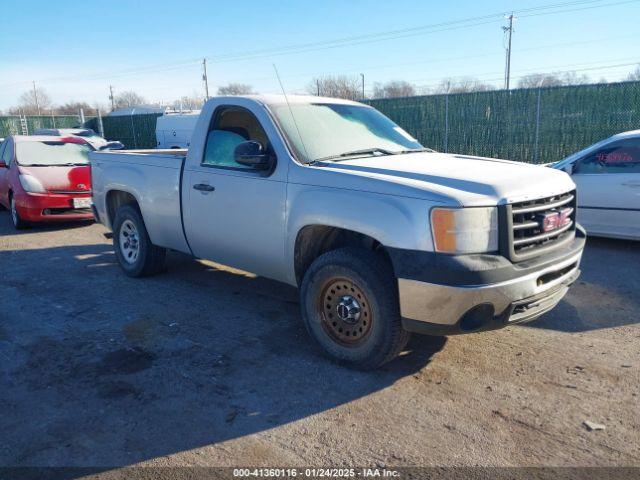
x,y
149,259
16,220
369,277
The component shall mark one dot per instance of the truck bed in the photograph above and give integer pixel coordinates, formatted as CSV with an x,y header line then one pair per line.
x,y
153,178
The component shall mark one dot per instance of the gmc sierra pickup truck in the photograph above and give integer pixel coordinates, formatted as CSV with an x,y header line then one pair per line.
x,y
382,236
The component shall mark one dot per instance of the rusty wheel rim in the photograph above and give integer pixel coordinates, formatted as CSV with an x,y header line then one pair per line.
x,y
345,312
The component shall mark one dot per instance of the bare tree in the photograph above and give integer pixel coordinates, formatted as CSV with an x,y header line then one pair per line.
x,y
72,108
536,80
635,75
463,85
394,89
129,98
30,100
235,89
573,78
193,102
556,79
340,86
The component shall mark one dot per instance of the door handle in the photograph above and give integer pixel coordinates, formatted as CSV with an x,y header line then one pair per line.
x,y
631,184
203,187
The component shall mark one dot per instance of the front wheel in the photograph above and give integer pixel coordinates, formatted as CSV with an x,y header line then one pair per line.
x,y
137,256
350,306
16,220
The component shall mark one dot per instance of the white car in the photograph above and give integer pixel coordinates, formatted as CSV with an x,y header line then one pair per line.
x,y
607,175
89,135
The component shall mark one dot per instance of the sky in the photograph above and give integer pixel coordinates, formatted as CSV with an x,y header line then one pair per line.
x,y
76,50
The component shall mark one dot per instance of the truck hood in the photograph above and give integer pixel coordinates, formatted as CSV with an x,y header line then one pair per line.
x,y
467,180
61,178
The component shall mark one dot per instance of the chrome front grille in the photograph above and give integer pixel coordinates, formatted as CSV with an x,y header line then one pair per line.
x,y
534,227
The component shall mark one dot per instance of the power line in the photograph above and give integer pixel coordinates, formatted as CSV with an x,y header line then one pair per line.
x,y
356,69
620,65
354,40
402,33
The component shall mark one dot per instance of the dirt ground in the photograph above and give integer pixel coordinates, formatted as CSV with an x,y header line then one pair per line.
x,y
208,366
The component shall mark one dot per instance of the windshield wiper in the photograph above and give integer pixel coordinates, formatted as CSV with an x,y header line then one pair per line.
x,y
364,151
416,150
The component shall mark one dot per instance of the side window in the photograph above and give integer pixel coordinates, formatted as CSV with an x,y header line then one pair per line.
x,y
231,126
617,157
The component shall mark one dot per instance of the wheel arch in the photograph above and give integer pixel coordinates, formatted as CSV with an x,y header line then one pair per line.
x,y
314,240
115,198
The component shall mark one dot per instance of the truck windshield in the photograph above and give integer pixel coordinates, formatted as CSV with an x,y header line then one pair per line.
x,y
324,131
52,153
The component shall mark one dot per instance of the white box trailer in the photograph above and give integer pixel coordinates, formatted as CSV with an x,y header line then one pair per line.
x,y
173,130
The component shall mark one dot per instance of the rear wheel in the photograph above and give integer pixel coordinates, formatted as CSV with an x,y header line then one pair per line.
x,y
350,305
16,220
137,256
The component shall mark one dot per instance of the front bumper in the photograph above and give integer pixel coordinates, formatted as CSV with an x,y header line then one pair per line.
x,y
43,207
444,295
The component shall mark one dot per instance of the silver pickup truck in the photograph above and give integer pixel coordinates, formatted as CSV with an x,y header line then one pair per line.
x,y
382,236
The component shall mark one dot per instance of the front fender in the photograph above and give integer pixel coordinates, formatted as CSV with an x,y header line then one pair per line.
x,y
394,221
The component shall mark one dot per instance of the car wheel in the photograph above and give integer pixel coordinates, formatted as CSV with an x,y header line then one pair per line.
x,y
16,220
137,256
349,300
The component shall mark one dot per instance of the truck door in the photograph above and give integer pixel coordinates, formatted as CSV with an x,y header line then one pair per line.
x,y
235,214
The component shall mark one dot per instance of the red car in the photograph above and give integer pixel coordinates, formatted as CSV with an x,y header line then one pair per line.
x,y
45,179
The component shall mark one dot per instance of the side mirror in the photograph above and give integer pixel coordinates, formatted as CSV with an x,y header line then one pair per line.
x,y
252,154
115,145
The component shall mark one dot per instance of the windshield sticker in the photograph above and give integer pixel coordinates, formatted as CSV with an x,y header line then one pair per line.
x,y
615,157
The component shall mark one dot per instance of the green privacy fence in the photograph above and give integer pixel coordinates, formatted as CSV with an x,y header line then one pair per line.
x,y
11,124
134,131
530,125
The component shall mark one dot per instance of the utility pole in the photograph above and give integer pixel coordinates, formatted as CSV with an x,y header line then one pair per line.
x,y
507,72
35,95
318,85
362,75
205,79
113,102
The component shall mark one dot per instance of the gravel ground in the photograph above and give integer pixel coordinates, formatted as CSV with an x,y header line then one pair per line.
x,y
208,366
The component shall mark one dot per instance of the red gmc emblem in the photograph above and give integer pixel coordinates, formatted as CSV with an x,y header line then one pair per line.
x,y
554,220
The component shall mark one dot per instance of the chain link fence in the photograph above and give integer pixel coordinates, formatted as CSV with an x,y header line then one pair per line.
x,y
528,125
11,125
134,131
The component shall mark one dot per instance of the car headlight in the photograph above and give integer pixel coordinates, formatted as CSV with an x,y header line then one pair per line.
x,y
31,184
465,230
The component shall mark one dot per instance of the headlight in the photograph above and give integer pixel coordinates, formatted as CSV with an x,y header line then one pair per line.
x,y
31,184
465,230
